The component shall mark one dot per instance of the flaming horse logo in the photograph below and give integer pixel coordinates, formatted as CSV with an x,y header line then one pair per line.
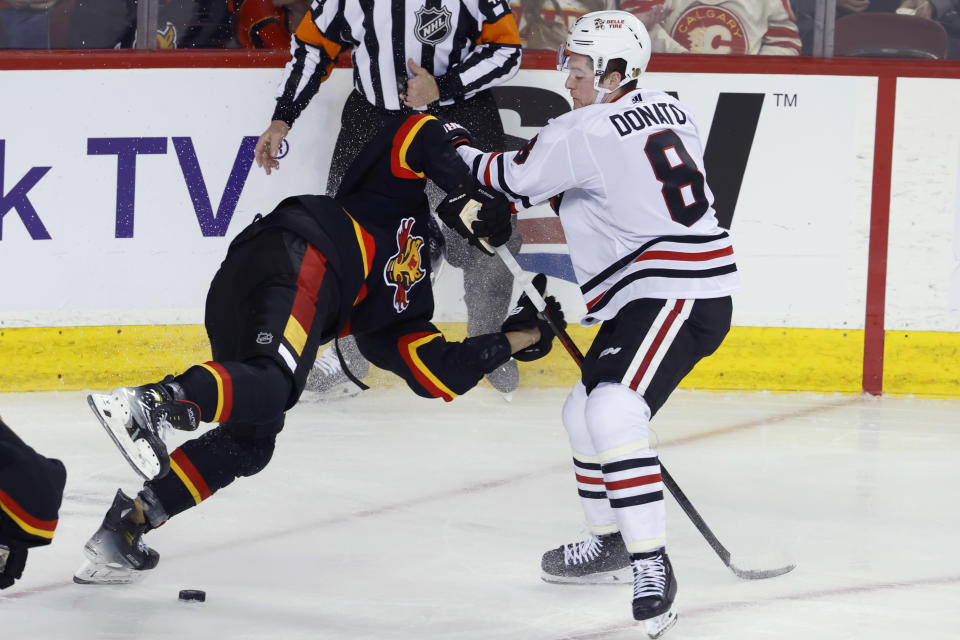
x,y
403,268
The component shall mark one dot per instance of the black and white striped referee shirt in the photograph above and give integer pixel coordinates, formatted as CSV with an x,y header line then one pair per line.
x,y
468,45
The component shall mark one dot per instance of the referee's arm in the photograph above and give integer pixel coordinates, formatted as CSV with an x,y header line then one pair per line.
x,y
494,60
312,56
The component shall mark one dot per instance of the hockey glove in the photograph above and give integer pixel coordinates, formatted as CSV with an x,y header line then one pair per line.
x,y
480,215
456,134
524,316
13,558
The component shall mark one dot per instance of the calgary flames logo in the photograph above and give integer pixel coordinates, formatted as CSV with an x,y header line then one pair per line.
x,y
403,268
704,29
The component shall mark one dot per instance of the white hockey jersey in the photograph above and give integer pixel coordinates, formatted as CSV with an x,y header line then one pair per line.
x,y
633,201
766,27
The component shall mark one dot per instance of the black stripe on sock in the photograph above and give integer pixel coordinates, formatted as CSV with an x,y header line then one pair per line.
x,y
596,495
632,463
593,466
633,501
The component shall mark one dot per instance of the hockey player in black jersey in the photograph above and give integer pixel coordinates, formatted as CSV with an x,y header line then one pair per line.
x,y
314,268
31,489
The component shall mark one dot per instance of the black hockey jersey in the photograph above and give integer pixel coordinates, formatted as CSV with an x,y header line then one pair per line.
x,y
31,488
374,238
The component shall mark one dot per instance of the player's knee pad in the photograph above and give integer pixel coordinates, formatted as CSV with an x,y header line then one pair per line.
x,y
254,448
617,417
575,420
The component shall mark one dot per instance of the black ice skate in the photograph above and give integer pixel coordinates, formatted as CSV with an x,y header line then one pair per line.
x,y
596,560
138,417
115,553
654,589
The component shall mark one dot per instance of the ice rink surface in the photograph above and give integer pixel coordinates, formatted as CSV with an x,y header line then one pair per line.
x,y
390,517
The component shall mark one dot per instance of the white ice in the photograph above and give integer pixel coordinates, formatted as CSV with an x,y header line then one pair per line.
x,y
390,517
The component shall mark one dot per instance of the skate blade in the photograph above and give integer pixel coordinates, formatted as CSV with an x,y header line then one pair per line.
x,y
340,391
656,627
94,573
114,415
620,576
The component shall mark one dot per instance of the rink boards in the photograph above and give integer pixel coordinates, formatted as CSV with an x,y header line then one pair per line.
x,y
117,210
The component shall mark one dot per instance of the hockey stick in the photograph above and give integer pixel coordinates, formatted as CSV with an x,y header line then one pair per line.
x,y
678,495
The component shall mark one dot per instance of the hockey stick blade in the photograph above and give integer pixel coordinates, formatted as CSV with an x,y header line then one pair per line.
x,y
759,574
701,525
725,556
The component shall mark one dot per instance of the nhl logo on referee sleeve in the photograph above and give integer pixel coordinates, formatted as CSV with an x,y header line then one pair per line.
x,y
433,24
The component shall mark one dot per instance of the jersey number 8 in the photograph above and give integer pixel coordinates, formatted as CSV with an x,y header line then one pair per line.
x,y
681,179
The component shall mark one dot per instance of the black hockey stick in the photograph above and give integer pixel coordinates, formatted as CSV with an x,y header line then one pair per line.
x,y
678,495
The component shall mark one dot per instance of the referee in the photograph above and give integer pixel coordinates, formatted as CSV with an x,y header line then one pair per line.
x,y
437,56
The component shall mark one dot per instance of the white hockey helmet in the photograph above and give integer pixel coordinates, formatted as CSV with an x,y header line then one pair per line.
x,y
604,36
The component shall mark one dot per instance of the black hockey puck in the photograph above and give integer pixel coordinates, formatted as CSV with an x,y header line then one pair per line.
x,y
194,595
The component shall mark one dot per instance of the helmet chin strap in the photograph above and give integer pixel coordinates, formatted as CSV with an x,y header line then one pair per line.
x,y
602,93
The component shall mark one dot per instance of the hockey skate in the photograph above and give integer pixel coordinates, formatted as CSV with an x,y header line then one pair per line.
x,y
327,381
115,553
597,560
654,589
505,379
137,419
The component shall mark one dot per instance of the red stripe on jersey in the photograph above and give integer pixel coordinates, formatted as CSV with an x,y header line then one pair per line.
x,y
789,9
361,295
486,172
661,334
785,44
195,477
782,32
595,301
9,504
226,383
589,480
398,150
403,346
312,269
685,257
633,482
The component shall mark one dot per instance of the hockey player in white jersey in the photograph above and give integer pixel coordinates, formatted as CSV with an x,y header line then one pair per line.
x,y
624,171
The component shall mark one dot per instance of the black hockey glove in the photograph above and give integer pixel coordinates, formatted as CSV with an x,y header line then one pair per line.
x,y
456,134
13,558
524,316
478,213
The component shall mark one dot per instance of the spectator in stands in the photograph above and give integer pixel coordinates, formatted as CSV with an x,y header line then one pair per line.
x,y
182,24
846,7
765,27
267,24
544,23
947,13
24,24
